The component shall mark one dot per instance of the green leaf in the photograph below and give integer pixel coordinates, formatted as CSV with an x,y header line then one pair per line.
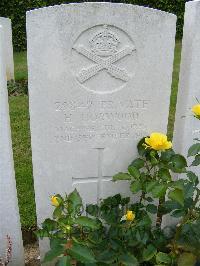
x,y
149,199
159,190
49,225
178,163
134,172
189,190
135,186
128,260
164,174
90,264
121,176
53,253
81,253
41,233
141,147
178,184
178,213
194,149
151,208
92,209
196,161
141,236
163,258
166,155
187,259
149,252
138,163
74,202
177,195
193,177
57,213
151,185
153,159
55,243
125,201
107,256
171,205
86,221
64,261
145,221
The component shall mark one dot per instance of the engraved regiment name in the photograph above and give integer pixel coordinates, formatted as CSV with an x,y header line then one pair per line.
x,y
85,120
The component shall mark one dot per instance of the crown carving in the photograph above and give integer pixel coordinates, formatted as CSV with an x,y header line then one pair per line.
x,y
104,43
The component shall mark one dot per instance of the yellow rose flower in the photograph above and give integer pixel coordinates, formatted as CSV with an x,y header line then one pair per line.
x,y
130,216
54,201
158,142
196,110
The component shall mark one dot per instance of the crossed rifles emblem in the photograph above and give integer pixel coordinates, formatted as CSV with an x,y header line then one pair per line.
x,y
103,63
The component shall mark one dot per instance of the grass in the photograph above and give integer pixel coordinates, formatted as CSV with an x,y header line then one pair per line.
x,y
20,65
175,79
22,157
21,137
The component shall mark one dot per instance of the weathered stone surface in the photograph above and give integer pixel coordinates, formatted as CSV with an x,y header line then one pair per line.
x,y
187,127
6,23
99,80
9,213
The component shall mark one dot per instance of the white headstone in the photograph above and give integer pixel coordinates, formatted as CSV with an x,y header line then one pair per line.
x,y
9,213
187,127
6,23
99,80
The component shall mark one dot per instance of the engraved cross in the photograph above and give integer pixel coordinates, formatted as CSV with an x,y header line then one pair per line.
x,y
98,179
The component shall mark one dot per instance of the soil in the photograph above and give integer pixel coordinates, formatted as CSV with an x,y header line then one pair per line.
x,y
32,254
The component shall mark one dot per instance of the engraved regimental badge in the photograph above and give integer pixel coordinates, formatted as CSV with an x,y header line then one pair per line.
x,y
105,60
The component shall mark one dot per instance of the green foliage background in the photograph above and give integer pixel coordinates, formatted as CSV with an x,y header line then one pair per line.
x,y
16,10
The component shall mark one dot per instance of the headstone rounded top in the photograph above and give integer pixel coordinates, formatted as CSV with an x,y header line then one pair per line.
x,y
4,19
194,2
6,24
101,4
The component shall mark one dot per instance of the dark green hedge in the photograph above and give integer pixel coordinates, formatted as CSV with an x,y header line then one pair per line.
x,y
16,9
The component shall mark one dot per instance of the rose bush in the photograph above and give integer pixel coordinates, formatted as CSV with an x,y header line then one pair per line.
x,y
120,231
